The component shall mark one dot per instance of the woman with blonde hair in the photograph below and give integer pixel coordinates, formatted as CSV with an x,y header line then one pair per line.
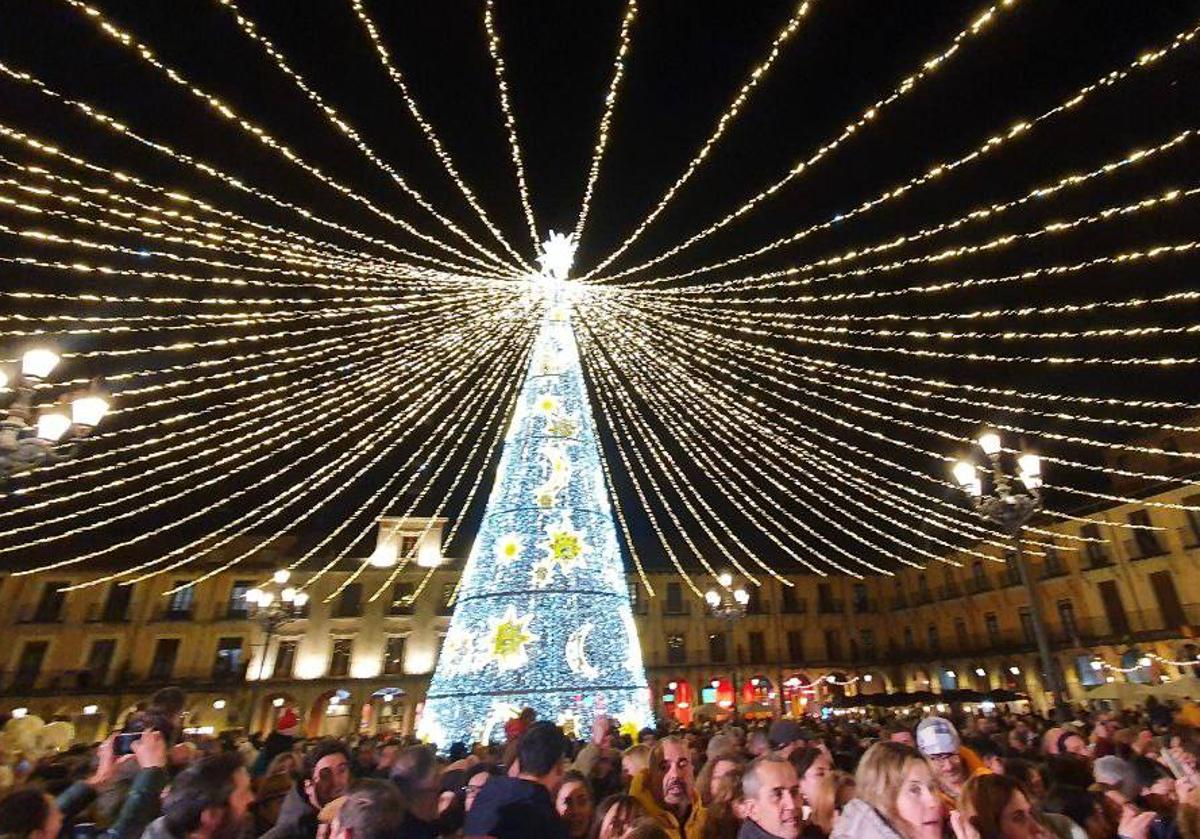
x,y
897,797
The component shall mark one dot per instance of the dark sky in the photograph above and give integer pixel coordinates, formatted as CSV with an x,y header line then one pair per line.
x,y
687,61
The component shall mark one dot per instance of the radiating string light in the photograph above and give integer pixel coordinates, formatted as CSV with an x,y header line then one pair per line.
x,y
250,28
427,129
983,213
256,132
510,121
118,127
694,350
1019,129
228,466
769,279
610,103
727,118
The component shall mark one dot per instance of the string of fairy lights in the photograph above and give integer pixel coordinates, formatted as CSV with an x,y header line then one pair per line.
x,y
274,362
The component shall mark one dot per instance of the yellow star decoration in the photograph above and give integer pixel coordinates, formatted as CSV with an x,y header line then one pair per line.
x,y
564,545
508,637
562,425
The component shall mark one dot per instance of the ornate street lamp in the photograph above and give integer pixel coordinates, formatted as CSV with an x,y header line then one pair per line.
x,y
273,605
1010,504
27,443
729,604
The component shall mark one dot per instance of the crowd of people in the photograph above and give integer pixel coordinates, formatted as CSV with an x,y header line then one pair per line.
x,y
1130,774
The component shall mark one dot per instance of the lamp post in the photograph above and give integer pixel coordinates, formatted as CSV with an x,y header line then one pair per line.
x,y
271,606
25,442
1011,507
729,604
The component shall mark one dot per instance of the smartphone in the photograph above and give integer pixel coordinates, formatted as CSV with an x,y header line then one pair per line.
x,y
123,743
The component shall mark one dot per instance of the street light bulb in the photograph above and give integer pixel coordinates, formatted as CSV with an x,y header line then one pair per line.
x,y
964,472
979,671
712,598
88,410
52,425
989,441
975,488
1031,482
288,595
725,579
266,598
300,599
219,704
277,702
1144,661
38,363
281,576
1015,670
3,380
1030,464
950,674
868,678
742,596
1097,664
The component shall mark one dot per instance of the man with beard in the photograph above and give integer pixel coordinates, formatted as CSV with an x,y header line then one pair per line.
x,y
938,740
209,800
771,799
324,776
667,789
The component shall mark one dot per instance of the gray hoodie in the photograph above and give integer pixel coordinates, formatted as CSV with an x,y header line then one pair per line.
x,y
859,820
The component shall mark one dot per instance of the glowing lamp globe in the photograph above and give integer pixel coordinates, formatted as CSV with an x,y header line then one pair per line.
x,y
88,410
989,441
300,599
742,596
52,425
964,472
254,596
38,363
725,579
281,576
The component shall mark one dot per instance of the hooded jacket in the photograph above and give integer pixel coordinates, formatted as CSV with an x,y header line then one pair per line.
x,y
639,788
859,820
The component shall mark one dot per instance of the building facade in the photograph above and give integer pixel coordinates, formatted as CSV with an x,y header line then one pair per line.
x,y
360,653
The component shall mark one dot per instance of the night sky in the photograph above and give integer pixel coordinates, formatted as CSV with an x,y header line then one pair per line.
x,y
687,61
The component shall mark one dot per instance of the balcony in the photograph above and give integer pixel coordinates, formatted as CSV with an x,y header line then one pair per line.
x,y
170,614
949,592
1050,570
104,613
1148,547
795,607
979,585
1010,577
899,601
922,598
672,609
1188,537
830,606
864,607
30,613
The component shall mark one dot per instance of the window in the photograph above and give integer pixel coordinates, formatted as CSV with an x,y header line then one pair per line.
x,y
1093,549
1066,615
228,662
1146,540
717,648
1012,574
1114,608
402,599
961,633
166,650
979,580
393,656
898,593
49,607
868,642
350,603
179,607
1165,593
1027,632
789,604
29,665
676,649
285,660
758,648
116,604
754,605
444,607
795,645
861,603
99,661
339,661
1052,566
833,645
238,608
408,545
674,604
923,588
637,599
935,641
992,624
1191,536
909,643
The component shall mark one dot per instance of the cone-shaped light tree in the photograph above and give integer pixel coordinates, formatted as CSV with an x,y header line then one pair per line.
x,y
543,617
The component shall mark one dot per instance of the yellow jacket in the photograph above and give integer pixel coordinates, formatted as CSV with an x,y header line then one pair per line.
x,y
639,788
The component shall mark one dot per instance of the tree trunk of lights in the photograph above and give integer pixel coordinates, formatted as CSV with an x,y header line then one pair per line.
x,y
543,618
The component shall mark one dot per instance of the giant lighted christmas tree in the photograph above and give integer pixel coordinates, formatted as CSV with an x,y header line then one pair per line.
x,y
543,618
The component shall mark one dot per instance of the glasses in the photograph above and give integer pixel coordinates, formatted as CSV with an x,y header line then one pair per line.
x,y
949,757
471,789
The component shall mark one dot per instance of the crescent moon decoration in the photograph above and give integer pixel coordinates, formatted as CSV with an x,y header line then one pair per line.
x,y
577,655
